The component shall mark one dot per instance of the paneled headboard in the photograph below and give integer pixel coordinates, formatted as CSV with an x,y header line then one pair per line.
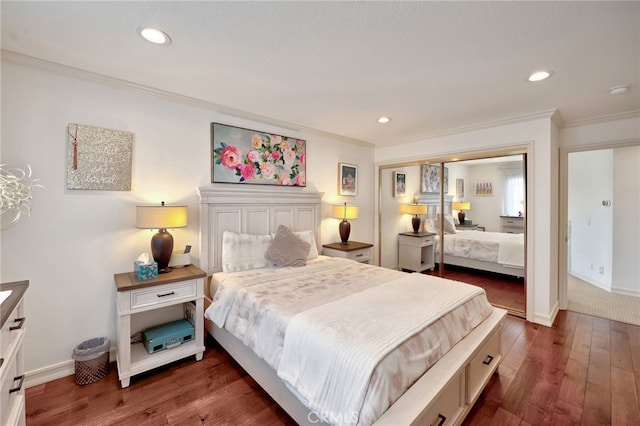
x,y
252,211
433,203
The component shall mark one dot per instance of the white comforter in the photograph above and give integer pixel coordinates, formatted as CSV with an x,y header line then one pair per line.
x,y
497,247
331,351
262,307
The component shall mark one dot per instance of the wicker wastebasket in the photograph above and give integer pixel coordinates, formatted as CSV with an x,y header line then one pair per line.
x,y
91,360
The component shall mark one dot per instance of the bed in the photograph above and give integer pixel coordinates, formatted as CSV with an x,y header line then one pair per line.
x,y
457,370
498,252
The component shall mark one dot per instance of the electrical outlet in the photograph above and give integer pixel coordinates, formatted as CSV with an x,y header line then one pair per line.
x,y
601,270
593,267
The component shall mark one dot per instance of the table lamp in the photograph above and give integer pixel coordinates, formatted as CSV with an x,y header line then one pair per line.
x,y
344,212
461,206
161,217
415,210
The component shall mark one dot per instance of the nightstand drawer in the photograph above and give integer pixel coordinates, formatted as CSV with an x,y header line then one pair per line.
x,y
156,295
360,252
417,241
363,255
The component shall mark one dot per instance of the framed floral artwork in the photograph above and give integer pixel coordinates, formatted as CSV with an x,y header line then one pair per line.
x,y
430,179
248,156
347,179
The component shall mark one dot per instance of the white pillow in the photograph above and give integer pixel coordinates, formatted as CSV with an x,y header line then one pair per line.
x,y
310,238
429,226
449,227
241,252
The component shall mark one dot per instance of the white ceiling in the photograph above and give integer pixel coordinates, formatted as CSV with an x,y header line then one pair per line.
x,y
337,66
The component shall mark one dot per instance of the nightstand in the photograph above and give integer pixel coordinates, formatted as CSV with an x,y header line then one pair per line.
x,y
360,252
468,227
416,251
143,304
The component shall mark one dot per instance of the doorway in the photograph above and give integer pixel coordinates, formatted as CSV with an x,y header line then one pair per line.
x,y
601,274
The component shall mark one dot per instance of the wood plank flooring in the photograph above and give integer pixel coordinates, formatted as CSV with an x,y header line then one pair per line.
x,y
583,370
502,290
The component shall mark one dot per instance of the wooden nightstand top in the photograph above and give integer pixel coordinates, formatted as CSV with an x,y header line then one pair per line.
x,y
350,246
417,234
466,226
127,280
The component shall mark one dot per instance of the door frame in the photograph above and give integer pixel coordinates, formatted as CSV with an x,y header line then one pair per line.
x,y
563,221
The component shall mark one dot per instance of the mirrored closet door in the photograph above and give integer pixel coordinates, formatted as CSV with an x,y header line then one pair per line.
x,y
482,229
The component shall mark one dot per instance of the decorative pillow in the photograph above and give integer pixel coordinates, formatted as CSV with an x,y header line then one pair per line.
x,y
308,237
241,252
287,249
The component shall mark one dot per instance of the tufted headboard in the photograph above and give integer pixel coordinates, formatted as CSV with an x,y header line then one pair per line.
x,y
252,211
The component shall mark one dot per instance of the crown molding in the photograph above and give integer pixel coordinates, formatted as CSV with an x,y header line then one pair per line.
x,y
117,83
552,114
603,119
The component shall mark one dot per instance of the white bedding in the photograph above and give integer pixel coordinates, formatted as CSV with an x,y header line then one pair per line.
x,y
496,247
256,309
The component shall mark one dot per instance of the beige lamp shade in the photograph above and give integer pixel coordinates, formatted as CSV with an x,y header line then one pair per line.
x,y
161,217
461,205
414,209
344,212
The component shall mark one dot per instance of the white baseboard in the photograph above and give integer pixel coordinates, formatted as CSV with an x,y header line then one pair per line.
x,y
625,291
546,320
55,371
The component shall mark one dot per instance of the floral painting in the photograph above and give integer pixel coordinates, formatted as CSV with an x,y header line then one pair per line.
x,y
430,179
250,156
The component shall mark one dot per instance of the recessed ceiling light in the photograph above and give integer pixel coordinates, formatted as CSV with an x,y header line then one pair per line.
x,y
540,75
617,90
154,35
384,120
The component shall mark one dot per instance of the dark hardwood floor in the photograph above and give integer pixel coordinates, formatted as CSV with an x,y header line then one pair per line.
x,y
583,370
502,290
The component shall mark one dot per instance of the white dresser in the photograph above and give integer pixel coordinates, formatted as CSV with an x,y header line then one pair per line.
x,y
512,224
12,408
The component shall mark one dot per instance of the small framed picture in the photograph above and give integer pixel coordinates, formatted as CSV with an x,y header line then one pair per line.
x,y
399,184
483,188
460,188
347,179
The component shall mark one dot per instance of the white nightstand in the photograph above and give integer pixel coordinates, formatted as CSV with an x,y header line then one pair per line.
x,y
416,251
361,252
142,304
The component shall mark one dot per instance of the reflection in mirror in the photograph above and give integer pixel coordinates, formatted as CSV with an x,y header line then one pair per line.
x,y
482,229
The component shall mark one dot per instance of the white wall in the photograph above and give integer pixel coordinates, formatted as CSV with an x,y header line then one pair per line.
x,y
76,240
591,223
540,139
626,221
